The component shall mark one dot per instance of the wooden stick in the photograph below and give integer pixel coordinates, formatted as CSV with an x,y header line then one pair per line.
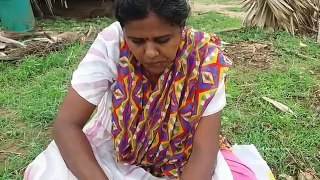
x,y
2,45
49,37
15,36
228,30
9,58
90,31
11,41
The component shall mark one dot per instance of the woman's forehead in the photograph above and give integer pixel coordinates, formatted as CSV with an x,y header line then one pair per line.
x,y
150,27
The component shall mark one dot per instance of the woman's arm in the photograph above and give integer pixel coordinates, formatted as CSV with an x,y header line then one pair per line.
x,y
202,162
73,144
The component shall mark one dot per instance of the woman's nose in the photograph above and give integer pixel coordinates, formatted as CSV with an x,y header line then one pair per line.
x,y
151,51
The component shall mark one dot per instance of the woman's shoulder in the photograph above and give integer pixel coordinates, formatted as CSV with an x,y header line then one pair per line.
x,y
97,71
113,32
108,43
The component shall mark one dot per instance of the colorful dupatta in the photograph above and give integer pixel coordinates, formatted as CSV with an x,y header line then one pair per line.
x,y
154,129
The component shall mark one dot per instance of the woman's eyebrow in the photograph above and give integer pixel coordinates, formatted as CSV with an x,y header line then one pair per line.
x,y
131,37
164,36
157,37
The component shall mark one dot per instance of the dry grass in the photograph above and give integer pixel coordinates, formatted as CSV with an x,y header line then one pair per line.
x,y
293,16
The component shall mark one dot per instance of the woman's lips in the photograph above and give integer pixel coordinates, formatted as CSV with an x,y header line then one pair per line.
x,y
156,64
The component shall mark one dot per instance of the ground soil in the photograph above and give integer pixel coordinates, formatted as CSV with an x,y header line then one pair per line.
x,y
8,146
4,113
13,145
256,55
222,8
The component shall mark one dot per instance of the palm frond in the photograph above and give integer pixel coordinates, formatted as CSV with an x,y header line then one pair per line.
x,y
291,15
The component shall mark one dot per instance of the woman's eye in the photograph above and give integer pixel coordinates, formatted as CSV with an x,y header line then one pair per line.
x,y
162,40
138,41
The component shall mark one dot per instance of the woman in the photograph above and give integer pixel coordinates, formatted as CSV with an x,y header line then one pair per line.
x,y
159,91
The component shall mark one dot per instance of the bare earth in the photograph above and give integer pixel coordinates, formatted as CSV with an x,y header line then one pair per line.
x,y
205,7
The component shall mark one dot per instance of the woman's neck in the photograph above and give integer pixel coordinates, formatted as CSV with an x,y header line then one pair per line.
x,y
153,78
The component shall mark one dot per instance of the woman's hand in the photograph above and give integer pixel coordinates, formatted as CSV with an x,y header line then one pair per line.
x,y
202,162
73,144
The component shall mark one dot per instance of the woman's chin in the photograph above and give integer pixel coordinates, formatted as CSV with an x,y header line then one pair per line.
x,y
156,71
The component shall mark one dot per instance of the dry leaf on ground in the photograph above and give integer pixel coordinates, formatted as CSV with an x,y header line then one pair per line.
x,y
279,105
302,44
308,174
286,177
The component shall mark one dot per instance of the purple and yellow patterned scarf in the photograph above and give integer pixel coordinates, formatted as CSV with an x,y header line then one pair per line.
x,y
154,129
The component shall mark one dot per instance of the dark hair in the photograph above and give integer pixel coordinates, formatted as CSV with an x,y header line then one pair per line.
x,y
175,12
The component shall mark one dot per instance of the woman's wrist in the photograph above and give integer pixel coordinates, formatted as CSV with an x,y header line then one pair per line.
x,y
96,175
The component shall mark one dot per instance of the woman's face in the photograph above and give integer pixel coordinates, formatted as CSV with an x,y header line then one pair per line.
x,y
153,42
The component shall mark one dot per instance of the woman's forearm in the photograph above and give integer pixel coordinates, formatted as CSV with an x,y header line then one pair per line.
x,y
203,159
199,166
77,152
